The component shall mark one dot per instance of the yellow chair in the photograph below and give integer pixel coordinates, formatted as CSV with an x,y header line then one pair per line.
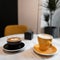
x,y
14,29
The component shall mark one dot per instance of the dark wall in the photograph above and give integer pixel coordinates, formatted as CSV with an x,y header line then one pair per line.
x,y
8,14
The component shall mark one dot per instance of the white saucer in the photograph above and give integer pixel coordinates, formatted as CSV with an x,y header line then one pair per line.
x,y
53,50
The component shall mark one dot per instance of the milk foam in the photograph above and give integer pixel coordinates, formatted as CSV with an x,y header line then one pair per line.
x,y
45,36
13,39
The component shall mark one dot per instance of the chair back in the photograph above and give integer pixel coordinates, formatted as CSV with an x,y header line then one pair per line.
x,y
15,29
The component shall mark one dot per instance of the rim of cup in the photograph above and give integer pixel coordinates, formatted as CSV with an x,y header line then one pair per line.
x,y
45,36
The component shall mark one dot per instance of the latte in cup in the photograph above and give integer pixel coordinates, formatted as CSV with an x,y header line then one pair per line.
x,y
45,41
14,41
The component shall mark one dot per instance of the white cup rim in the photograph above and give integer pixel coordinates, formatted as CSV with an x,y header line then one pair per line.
x,y
44,36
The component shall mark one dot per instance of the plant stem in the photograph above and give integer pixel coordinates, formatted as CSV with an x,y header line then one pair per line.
x,y
48,23
50,18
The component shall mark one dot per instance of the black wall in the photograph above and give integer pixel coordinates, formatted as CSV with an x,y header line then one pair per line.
x,y
8,14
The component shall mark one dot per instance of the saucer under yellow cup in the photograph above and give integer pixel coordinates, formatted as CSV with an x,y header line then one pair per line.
x,y
51,51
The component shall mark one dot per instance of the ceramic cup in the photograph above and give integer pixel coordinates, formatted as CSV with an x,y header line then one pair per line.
x,y
44,41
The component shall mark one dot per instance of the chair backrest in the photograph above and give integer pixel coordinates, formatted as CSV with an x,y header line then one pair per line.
x,y
15,29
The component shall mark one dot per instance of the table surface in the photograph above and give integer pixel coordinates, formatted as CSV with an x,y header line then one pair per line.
x,y
27,53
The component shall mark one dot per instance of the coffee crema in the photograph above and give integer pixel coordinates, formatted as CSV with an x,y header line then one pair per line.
x,y
14,39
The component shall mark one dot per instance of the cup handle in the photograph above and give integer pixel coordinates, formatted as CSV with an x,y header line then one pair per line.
x,y
50,44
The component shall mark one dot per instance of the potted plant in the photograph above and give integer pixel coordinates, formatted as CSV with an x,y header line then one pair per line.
x,y
49,29
51,6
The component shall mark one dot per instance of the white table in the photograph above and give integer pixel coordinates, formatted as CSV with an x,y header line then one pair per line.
x,y
28,53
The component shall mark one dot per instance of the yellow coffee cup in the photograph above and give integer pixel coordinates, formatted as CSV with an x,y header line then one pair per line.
x,y
44,41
